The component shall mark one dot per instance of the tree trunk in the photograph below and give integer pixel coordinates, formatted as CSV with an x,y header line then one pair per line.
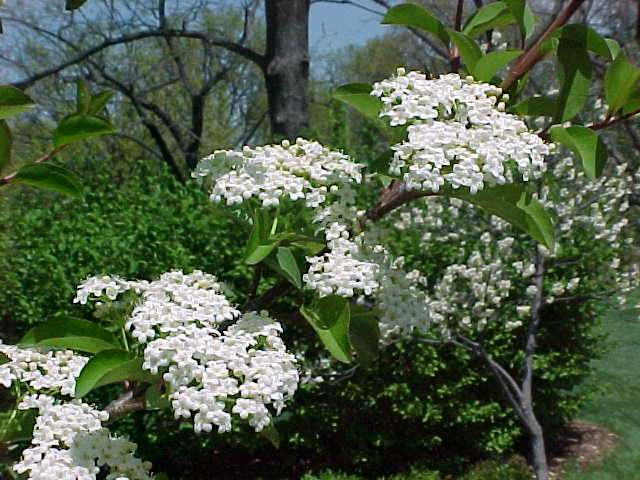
x,y
286,67
538,451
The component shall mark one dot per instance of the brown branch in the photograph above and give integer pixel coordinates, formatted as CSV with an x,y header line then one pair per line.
x,y
392,197
607,122
532,54
129,402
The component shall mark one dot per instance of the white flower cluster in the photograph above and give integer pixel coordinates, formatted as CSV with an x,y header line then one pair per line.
x,y
54,370
458,134
469,294
341,271
304,169
211,374
406,307
69,442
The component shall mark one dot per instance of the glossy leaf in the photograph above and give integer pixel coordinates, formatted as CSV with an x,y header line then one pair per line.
x,y
493,62
99,102
83,97
358,96
49,177
620,82
523,15
415,16
330,318
13,101
575,79
536,106
6,141
586,144
74,4
19,428
512,203
492,15
73,333
260,253
587,38
469,50
81,127
289,266
110,366
364,334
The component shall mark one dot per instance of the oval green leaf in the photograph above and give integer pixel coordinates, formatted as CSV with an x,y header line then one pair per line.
x,y
13,101
80,127
415,16
49,177
586,144
110,366
493,62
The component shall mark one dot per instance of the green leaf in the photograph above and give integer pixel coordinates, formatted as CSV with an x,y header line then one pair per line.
x,y
587,38
4,358
80,127
586,144
411,15
330,318
364,334
358,96
469,50
536,106
270,433
111,366
492,15
512,203
154,399
13,101
260,253
99,101
575,79
83,97
72,333
614,47
620,82
493,62
49,177
74,4
289,266
6,141
20,427
523,15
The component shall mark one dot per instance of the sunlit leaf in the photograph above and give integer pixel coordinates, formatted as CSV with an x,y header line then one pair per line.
x,y
586,144
13,101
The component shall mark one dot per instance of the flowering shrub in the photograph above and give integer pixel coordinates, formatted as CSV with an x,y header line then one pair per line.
x,y
178,339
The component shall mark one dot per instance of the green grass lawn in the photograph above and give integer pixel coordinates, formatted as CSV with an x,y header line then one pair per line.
x,y
618,409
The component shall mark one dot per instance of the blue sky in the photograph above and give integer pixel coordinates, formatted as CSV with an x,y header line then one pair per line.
x,y
335,26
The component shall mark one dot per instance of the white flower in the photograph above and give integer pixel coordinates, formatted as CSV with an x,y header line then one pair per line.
x,y
69,442
458,133
304,169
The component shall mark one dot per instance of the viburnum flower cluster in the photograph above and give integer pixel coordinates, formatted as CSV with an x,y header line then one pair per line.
x,y
68,438
210,372
53,370
69,442
301,170
341,271
458,133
